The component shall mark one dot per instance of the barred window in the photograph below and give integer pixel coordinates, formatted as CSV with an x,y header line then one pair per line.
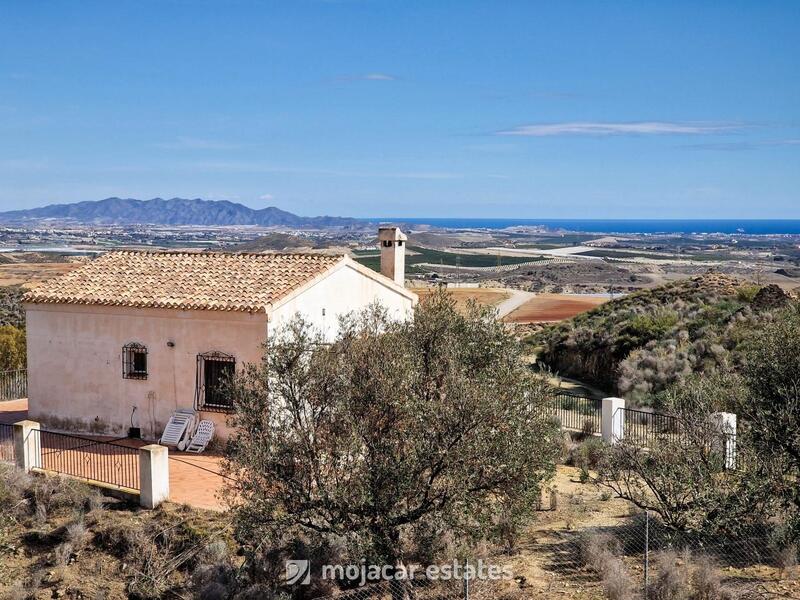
x,y
134,361
214,372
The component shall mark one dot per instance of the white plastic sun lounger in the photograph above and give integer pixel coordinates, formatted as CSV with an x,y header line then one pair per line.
x,y
180,425
205,433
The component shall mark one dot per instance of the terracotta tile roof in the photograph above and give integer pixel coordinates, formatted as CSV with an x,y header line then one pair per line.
x,y
194,281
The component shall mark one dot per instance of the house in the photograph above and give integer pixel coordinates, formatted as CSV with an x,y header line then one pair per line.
x,y
131,336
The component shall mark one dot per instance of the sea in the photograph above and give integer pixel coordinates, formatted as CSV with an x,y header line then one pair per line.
x,y
652,226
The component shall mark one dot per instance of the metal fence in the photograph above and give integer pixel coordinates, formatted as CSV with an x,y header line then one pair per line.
x,y
92,460
13,384
634,557
645,428
579,413
6,443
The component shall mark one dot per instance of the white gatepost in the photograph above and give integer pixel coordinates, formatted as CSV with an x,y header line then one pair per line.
x,y
725,423
612,423
153,475
27,446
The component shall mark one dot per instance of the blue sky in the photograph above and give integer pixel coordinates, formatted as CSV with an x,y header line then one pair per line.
x,y
400,108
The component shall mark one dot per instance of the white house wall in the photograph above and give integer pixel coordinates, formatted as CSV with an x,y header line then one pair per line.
x,y
75,378
337,294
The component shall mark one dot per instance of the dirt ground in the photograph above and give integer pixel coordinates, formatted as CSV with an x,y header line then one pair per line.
x,y
545,308
488,296
32,273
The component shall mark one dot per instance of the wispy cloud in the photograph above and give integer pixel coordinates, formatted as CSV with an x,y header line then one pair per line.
x,y
267,197
367,77
590,128
191,143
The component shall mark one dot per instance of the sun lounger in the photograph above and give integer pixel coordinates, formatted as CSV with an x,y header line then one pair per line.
x,y
205,433
180,427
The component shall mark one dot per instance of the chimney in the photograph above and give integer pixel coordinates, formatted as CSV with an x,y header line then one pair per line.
x,y
393,254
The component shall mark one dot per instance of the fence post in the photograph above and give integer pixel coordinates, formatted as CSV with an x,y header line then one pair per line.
x,y
27,448
726,424
153,475
466,580
646,552
612,423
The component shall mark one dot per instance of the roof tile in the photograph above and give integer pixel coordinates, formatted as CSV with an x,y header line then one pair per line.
x,y
184,280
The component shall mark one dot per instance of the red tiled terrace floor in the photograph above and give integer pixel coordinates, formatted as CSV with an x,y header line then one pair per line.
x,y
194,479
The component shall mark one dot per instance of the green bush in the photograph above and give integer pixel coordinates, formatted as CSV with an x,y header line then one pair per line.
x,y
12,348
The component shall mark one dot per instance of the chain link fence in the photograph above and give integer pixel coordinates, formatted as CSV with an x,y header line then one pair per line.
x,y
631,559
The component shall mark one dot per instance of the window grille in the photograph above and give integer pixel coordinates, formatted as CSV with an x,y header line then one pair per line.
x,y
214,372
134,361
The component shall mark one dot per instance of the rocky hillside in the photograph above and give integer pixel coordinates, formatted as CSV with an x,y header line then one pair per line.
x,y
176,211
638,345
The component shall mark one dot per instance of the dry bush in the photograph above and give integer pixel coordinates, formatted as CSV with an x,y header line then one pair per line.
x,y
151,578
601,553
587,454
707,581
596,549
617,581
786,558
51,495
18,591
77,534
672,579
119,539
14,483
62,553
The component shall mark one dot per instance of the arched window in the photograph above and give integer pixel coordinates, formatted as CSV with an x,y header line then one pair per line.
x,y
134,361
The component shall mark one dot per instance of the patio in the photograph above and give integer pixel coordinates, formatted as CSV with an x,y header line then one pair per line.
x,y
194,479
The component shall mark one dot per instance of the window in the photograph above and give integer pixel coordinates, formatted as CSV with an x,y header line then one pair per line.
x,y
134,361
214,371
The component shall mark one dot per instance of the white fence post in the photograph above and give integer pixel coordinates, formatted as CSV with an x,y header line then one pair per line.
x,y
153,475
726,424
27,449
612,423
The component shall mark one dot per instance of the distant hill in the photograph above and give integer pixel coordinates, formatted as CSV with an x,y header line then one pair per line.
x,y
176,211
279,242
640,344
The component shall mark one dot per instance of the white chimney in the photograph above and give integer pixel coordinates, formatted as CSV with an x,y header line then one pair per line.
x,y
393,254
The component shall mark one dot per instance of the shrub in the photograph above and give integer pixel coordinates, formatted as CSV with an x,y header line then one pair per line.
x,y
707,582
617,581
62,554
588,454
76,534
598,548
53,494
747,293
601,553
672,579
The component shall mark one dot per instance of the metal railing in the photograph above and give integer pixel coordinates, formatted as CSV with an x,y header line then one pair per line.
x,y
645,428
92,460
579,413
6,442
13,384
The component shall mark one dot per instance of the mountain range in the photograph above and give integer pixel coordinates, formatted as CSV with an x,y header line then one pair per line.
x,y
175,211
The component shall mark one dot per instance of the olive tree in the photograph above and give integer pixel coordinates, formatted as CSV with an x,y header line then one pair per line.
x,y
681,474
392,430
772,408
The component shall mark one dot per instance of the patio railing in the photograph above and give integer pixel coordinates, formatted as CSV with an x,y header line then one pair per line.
x,y
13,384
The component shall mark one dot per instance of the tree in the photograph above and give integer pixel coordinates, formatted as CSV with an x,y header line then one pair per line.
x,y
12,348
682,474
395,429
772,410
